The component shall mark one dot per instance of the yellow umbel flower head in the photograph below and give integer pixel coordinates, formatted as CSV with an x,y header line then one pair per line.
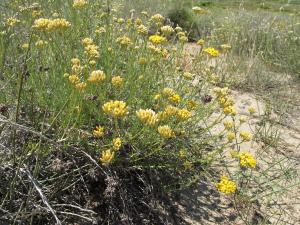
x,y
245,135
157,39
78,4
247,160
117,143
166,131
98,131
226,186
211,52
97,76
183,114
107,156
228,124
167,30
147,116
117,109
117,81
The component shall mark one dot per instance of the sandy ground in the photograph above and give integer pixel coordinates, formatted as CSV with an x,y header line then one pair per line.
x,y
204,205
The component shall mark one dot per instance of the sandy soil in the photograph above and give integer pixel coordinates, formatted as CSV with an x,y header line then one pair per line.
x,y
204,205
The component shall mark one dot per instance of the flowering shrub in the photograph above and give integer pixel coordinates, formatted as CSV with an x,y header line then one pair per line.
x,y
96,84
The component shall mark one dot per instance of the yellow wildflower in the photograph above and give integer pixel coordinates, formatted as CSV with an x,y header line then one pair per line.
x,y
116,109
41,23
228,124
165,131
12,21
58,24
96,76
92,51
175,98
74,79
167,30
182,154
141,29
117,143
25,46
117,81
226,186
51,25
80,86
87,41
229,110
183,114
157,97
157,18
247,160
188,75
125,41
243,119
157,39
168,91
107,157
75,61
211,52
200,42
78,4
191,104
245,135
147,116
98,131
230,136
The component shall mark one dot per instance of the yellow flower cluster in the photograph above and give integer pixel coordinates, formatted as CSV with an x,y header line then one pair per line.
x,y
182,37
147,116
51,24
167,30
107,156
211,52
91,49
225,102
117,143
124,41
230,136
175,98
142,29
183,114
12,21
157,18
96,76
245,135
228,124
188,75
247,160
226,186
200,42
98,131
157,39
166,131
80,86
117,81
78,4
117,109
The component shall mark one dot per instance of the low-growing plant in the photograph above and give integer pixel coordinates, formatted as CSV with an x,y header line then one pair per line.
x,y
100,119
